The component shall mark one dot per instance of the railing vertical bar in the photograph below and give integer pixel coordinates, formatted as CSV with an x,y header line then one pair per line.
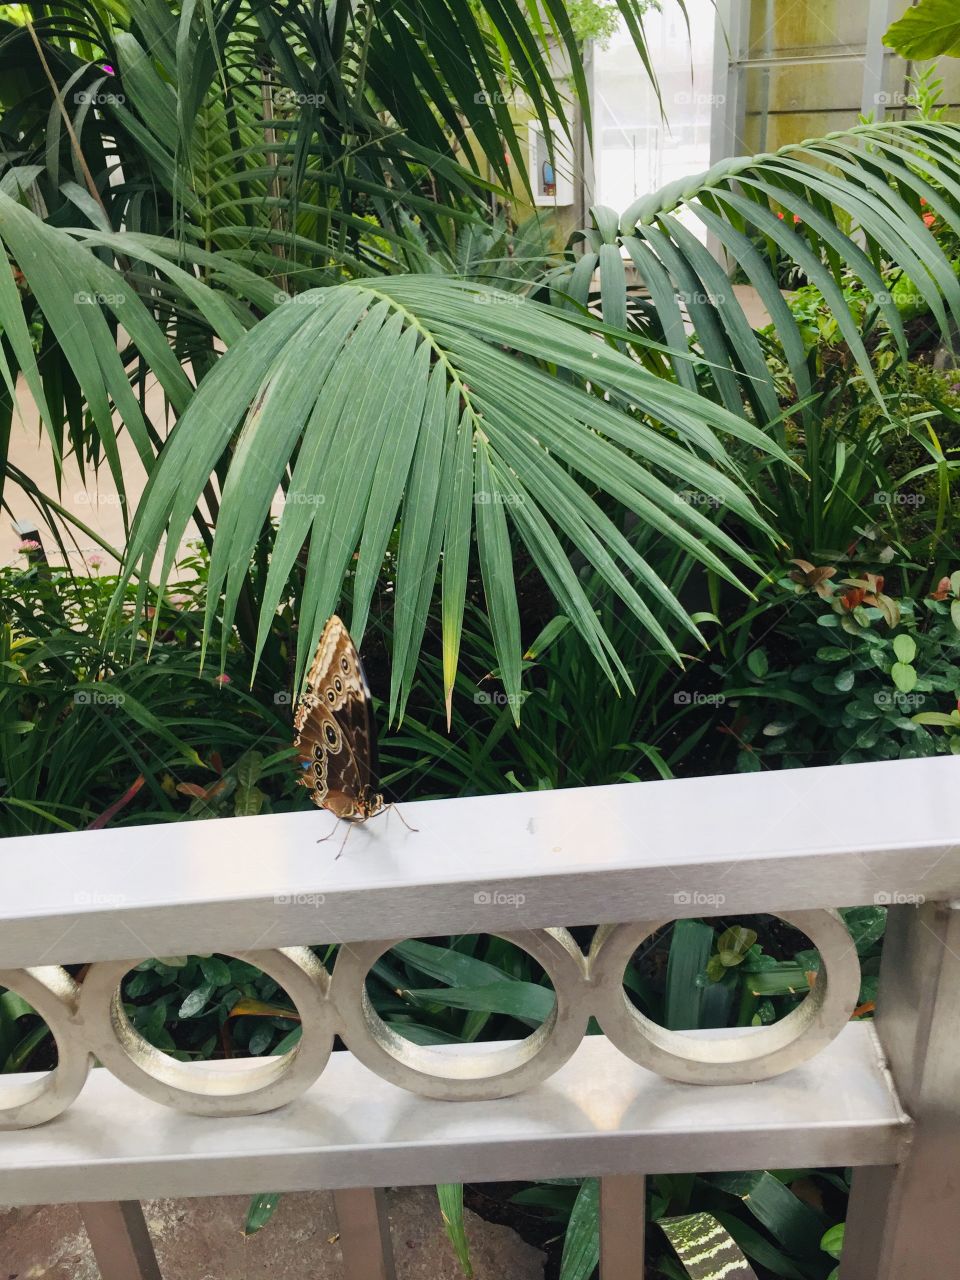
x,y
904,1220
364,1234
622,1226
121,1243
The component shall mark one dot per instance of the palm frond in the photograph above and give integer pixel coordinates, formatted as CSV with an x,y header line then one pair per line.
x,y
846,207
437,404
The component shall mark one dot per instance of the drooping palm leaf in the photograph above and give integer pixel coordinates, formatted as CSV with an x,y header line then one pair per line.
x,y
285,126
850,210
84,303
437,403
845,206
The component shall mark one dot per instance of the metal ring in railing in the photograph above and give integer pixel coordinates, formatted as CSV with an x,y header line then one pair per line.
x,y
205,1089
478,1074
53,994
732,1058
91,1020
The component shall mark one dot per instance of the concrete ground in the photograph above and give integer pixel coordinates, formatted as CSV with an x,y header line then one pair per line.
x,y
203,1240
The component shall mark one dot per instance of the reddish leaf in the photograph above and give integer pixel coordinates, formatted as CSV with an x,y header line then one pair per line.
x,y
112,811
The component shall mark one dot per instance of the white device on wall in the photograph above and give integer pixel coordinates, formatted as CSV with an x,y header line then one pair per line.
x,y
551,178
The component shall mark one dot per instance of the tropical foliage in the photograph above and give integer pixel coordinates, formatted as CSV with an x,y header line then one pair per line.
x,y
592,521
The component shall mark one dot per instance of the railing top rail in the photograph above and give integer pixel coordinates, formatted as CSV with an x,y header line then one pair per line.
x,y
788,840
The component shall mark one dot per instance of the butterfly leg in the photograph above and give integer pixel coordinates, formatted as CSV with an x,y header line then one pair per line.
x,y
396,810
330,834
333,832
343,842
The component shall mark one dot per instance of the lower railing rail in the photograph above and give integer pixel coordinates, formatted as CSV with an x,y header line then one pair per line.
x,y
814,1089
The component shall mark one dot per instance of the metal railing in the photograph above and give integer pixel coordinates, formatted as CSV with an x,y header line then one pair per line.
x,y
812,1089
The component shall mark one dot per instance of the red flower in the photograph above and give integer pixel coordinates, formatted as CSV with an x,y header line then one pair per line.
x,y
929,219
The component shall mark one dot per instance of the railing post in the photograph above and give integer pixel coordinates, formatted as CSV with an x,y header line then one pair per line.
x,y
364,1234
622,1221
904,1220
120,1240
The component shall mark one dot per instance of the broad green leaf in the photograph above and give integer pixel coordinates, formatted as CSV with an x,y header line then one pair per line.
x,y
523,1000
581,1244
758,663
734,943
691,943
706,1249
904,676
832,1241
905,647
928,30
793,1223
447,964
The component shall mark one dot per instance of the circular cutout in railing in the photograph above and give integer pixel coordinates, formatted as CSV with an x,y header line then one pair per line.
x,y
401,1052
723,1057
455,990
240,1086
27,1098
203,1007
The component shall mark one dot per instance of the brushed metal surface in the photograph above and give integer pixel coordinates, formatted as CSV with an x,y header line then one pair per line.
x,y
492,1071
699,846
728,1059
599,1114
29,1100
623,1211
904,1219
210,1089
120,1240
94,1023
364,1234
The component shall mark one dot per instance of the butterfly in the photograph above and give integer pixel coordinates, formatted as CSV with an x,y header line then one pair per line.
x,y
335,734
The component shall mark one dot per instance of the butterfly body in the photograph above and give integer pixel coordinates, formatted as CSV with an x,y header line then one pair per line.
x,y
335,733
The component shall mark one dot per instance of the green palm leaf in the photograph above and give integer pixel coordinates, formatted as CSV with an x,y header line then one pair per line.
x,y
837,208
428,401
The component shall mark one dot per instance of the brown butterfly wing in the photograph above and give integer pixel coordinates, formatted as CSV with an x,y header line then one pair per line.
x,y
334,727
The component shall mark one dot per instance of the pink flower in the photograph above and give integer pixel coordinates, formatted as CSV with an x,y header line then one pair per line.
x,y
222,679
29,545
105,66
95,561
929,219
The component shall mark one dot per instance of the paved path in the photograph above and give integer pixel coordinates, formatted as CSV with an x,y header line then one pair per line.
x,y
203,1240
